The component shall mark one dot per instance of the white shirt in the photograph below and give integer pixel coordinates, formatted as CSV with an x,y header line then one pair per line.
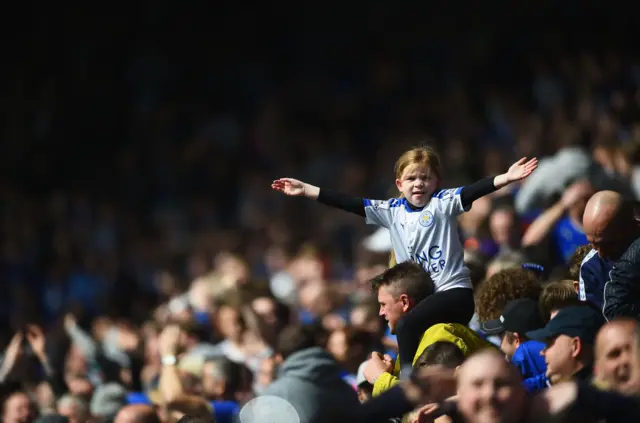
x,y
428,236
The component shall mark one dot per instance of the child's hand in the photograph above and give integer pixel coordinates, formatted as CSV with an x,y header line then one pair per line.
x,y
521,169
295,188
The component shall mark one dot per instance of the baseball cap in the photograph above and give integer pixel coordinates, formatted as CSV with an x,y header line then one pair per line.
x,y
521,316
582,322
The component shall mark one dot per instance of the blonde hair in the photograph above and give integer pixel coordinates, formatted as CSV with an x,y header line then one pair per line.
x,y
423,157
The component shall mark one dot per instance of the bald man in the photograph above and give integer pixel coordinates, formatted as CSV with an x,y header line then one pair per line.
x,y
611,228
614,355
137,414
490,389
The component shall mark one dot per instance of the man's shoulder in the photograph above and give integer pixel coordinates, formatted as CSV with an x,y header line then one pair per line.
x,y
630,259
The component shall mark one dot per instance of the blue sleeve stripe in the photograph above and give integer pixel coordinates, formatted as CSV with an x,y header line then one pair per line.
x,y
394,202
439,194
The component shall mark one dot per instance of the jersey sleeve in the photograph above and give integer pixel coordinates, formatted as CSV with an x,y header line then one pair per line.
x,y
381,212
450,201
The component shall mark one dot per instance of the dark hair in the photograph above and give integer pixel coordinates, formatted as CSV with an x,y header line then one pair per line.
x,y
236,375
441,353
294,338
511,336
193,419
405,278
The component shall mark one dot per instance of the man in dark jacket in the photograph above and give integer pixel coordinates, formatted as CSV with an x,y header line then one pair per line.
x,y
611,227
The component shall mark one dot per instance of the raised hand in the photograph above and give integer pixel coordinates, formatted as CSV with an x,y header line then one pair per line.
x,y
11,354
521,169
579,191
289,186
36,339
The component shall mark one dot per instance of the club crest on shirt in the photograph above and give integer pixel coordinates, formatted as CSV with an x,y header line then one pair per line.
x,y
426,219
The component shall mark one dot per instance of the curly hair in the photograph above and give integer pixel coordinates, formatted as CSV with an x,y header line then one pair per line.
x,y
576,261
506,285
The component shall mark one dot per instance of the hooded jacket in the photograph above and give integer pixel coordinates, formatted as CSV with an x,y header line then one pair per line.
x,y
310,380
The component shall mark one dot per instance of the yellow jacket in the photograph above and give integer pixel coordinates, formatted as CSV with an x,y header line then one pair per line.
x,y
466,339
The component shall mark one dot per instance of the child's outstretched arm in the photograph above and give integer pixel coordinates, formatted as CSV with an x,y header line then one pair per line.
x,y
295,188
517,172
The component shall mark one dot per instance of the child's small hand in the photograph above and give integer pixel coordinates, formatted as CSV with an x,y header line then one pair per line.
x,y
521,169
289,186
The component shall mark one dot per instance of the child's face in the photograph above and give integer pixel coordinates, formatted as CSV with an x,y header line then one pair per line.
x,y
364,395
417,184
509,345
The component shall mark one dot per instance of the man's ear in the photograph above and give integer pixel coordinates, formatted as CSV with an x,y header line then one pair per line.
x,y
518,338
406,302
576,347
456,371
576,287
278,359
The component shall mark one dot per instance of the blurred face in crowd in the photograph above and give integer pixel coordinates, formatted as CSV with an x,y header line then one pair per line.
x,y
417,184
45,397
392,309
502,225
229,323
509,343
338,345
213,386
76,362
490,390
614,358
73,412
561,355
266,374
18,409
316,298
265,308
79,385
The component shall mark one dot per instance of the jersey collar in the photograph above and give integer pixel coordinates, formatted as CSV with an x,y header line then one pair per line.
x,y
410,208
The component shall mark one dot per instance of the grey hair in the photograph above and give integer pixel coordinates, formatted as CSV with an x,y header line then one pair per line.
x,y
74,401
507,260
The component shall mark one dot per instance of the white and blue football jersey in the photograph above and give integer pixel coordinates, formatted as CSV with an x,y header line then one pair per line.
x,y
428,236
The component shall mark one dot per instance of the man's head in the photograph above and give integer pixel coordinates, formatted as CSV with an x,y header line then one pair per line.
x,y
557,295
518,317
569,339
490,389
607,221
400,288
137,413
614,359
221,378
18,408
442,354
74,408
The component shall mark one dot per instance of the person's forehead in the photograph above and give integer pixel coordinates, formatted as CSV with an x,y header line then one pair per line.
x,y
613,336
263,304
384,293
416,168
484,367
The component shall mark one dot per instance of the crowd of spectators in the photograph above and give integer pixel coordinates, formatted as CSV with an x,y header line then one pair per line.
x,y
149,272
